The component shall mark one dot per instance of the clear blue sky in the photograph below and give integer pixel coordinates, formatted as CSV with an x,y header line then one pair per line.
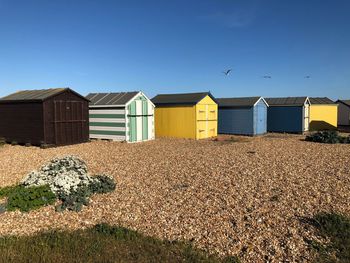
x,y
177,46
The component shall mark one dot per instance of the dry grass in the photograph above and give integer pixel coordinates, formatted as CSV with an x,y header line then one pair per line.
x,y
242,199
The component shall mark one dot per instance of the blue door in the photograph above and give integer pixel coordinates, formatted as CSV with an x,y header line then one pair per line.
x,y
260,118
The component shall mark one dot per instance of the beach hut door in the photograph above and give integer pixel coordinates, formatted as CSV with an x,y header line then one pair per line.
x,y
306,117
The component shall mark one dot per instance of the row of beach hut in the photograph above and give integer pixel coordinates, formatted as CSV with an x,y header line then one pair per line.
x,y
62,116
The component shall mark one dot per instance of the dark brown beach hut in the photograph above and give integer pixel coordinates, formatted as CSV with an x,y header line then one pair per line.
x,y
51,116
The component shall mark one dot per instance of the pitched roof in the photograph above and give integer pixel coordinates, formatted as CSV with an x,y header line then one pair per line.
x,y
33,95
180,99
238,102
109,99
323,100
286,101
346,102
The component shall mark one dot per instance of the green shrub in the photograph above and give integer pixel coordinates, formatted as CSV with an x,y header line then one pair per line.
x,y
102,184
5,191
75,200
327,137
26,199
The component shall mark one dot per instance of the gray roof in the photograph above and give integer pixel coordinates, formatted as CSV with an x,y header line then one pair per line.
x,y
346,102
237,102
180,99
286,101
323,100
109,99
33,95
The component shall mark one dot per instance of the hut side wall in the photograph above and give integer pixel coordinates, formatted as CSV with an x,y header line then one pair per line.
x,y
285,119
22,122
343,114
323,117
260,118
175,121
108,123
236,121
66,119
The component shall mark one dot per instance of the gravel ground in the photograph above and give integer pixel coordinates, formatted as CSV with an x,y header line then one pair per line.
x,y
244,197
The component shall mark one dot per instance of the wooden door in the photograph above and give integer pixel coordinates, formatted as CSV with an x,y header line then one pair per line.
x,y
69,122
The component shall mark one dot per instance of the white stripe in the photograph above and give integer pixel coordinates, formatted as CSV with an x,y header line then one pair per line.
x,y
106,111
138,107
150,127
109,137
103,128
107,120
150,108
139,128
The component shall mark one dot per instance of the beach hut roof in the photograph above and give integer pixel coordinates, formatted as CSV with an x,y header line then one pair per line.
x,y
35,95
287,101
346,102
323,100
180,99
111,99
239,102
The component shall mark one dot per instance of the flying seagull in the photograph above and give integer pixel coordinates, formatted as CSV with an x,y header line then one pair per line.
x,y
227,72
267,77
307,77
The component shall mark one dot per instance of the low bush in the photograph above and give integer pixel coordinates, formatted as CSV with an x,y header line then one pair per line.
x,y
102,184
327,137
65,179
5,191
26,199
77,198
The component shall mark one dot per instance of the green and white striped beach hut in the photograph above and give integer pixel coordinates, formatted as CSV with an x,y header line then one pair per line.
x,y
123,116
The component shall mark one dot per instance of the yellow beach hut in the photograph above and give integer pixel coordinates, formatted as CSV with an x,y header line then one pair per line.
x,y
188,115
323,114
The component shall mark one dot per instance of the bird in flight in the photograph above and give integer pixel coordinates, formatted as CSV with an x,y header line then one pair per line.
x,y
227,72
307,77
267,77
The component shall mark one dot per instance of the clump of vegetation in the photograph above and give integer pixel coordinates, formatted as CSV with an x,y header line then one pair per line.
x,y
102,184
65,179
336,229
327,137
102,243
26,199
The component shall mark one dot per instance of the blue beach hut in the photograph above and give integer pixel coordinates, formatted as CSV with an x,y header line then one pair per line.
x,y
289,114
242,116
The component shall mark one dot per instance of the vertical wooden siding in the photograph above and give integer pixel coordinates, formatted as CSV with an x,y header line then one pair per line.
x,y
236,121
343,114
66,119
285,119
22,122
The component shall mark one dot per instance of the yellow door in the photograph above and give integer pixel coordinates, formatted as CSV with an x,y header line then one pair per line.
x,y
212,128
202,129
212,112
202,112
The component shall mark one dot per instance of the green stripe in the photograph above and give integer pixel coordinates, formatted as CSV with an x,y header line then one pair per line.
x,y
108,124
118,116
132,122
144,128
108,132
